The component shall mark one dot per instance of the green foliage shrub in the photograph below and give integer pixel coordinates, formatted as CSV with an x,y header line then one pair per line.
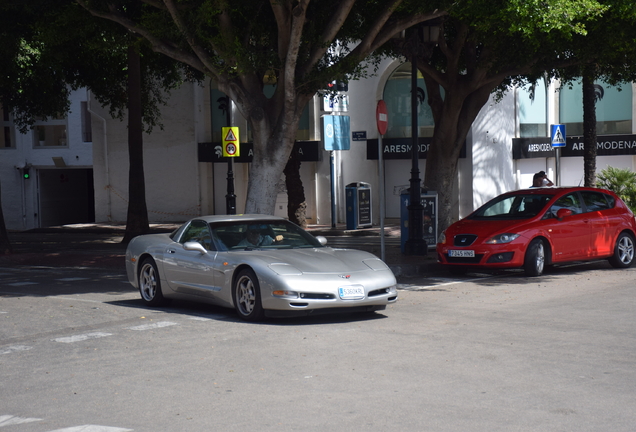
x,y
620,181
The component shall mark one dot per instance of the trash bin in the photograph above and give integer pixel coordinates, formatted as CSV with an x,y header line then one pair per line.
x,y
358,205
429,217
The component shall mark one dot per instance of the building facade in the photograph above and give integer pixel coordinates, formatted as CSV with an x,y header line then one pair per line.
x,y
79,164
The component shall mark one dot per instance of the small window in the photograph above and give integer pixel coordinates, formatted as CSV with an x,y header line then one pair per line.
x,y
87,131
6,138
50,136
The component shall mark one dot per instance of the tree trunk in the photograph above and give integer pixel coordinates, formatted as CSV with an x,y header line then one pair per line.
x,y
454,114
137,218
5,244
589,127
296,205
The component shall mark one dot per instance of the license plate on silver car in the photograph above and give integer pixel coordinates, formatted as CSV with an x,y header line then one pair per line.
x,y
353,292
461,253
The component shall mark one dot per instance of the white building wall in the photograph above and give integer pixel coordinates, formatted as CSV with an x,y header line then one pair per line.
x,y
20,203
171,167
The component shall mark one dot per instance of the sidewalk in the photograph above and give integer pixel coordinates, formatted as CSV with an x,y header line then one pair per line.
x,y
99,246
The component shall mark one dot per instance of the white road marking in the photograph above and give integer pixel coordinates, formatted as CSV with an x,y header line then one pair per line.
x,y
8,420
82,337
153,326
92,428
14,348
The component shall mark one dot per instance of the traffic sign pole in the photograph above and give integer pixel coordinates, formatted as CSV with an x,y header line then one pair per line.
x,y
557,139
382,119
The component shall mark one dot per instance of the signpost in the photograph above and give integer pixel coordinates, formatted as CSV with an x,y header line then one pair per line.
x,y
231,149
557,139
382,120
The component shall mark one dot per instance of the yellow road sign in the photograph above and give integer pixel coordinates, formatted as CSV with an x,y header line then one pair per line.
x,y
231,144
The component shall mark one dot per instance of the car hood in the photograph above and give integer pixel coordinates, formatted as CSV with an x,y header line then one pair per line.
x,y
487,228
321,260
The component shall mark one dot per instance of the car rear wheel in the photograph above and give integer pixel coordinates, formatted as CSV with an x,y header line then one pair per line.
x,y
623,251
246,294
534,263
149,284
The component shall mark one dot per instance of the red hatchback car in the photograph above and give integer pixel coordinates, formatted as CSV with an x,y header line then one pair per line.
x,y
532,228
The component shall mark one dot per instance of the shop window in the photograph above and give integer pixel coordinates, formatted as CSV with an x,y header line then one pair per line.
x,y
532,118
397,96
613,108
6,139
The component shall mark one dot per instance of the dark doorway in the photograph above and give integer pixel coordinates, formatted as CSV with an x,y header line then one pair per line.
x,y
66,196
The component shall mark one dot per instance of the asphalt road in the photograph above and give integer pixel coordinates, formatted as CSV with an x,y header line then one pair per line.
x,y
80,352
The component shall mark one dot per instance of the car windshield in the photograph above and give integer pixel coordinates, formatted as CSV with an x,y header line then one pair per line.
x,y
516,206
263,234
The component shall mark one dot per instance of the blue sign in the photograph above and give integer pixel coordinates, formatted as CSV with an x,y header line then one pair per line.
x,y
336,132
557,135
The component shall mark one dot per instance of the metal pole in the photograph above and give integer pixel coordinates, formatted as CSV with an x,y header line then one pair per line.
x,y
333,189
415,245
381,191
230,197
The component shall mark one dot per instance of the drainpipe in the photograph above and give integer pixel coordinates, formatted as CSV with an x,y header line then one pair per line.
x,y
106,167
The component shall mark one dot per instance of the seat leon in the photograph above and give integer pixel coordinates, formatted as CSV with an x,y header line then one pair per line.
x,y
534,228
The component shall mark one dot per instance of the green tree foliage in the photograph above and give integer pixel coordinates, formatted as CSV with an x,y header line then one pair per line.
x,y
53,46
606,51
620,181
482,47
244,44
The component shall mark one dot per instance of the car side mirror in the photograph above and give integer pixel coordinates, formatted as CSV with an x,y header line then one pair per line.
x,y
563,213
194,246
322,240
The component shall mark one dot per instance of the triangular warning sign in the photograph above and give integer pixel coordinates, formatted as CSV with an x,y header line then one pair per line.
x,y
230,136
558,137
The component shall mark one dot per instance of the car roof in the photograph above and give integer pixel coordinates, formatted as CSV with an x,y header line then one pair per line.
x,y
554,190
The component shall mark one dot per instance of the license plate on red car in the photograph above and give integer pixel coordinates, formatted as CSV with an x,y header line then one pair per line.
x,y
461,253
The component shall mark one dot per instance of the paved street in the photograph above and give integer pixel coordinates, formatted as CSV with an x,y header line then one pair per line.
x,y
79,352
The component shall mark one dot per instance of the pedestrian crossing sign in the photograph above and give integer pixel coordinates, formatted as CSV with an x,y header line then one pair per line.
x,y
231,144
557,135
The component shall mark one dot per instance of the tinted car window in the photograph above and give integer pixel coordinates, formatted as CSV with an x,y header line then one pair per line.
x,y
570,201
596,201
198,231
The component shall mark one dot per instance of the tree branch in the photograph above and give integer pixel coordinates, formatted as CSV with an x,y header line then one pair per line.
x,y
329,34
157,44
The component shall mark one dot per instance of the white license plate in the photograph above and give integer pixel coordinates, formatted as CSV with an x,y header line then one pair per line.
x,y
351,292
461,253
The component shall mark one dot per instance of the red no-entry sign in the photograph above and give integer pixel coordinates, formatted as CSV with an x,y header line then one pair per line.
x,y
382,117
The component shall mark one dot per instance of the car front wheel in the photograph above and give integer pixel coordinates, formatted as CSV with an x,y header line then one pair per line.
x,y
623,251
149,284
246,294
534,263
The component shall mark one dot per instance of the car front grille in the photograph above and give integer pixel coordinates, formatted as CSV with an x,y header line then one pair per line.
x,y
464,239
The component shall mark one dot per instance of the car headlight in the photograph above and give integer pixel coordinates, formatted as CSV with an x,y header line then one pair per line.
x,y
442,238
502,238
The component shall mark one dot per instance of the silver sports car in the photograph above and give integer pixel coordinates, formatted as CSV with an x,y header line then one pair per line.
x,y
259,265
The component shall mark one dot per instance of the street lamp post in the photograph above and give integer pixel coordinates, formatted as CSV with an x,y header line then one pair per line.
x,y
415,245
